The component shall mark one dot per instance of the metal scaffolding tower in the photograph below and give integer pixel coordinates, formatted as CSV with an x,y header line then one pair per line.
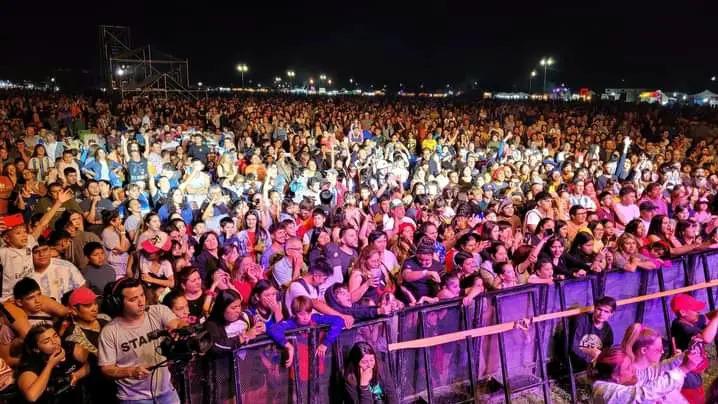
x,y
126,69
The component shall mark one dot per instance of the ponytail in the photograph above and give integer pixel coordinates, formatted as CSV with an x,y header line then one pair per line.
x,y
637,336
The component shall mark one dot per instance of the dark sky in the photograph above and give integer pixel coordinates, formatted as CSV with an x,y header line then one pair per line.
x,y
672,47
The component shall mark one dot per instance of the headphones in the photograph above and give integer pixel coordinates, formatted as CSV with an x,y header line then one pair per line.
x,y
114,303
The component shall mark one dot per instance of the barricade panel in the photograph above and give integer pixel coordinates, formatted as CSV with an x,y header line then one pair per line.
x,y
712,262
653,309
695,274
551,330
375,333
449,382
622,285
578,292
193,381
411,372
263,378
521,351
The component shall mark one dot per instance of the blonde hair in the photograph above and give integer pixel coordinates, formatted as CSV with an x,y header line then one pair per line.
x,y
620,243
638,336
361,263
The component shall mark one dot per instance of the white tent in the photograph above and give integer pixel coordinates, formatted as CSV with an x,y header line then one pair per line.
x,y
705,97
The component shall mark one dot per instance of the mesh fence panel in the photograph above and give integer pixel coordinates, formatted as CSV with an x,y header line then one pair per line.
x,y
622,285
449,383
486,349
194,381
375,334
411,372
519,345
673,277
551,330
263,378
712,261
695,274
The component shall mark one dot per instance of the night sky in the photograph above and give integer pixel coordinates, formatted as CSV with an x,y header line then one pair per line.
x,y
497,44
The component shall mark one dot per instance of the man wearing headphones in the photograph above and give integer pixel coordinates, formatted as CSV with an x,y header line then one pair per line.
x,y
126,351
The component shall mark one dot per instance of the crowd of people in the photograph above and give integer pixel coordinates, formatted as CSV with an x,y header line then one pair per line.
x,y
254,216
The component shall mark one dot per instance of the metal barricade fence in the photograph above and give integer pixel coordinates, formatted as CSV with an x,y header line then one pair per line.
x,y
623,285
379,334
456,371
525,367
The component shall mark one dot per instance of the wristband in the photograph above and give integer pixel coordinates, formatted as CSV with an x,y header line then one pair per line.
x,y
211,293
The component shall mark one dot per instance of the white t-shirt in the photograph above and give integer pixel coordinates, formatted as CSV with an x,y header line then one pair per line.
x,y
626,213
16,264
390,262
533,217
58,278
297,289
124,346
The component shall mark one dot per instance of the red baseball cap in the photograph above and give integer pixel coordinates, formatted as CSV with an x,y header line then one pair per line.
x,y
686,302
404,225
82,295
13,221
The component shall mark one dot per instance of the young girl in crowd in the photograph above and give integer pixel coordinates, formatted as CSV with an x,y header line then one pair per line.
x,y
229,328
363,382
543,273
48,373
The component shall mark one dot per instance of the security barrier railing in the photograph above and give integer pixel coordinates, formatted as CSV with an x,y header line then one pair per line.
x,y
451,353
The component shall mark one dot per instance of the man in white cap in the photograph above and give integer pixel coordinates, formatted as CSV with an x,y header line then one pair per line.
x,y
396,216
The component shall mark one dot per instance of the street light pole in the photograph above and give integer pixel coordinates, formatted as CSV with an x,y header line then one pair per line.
x,y
531,77
545,62
242,68
290,74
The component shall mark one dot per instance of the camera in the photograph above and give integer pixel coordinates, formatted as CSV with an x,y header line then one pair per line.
x,y
59,384
183,344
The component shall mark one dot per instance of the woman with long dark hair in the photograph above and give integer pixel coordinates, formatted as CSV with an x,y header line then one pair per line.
x,y
229,328
662,229
363,381
47,373
581,255
553,251
253,237
318,241
207,258
176,203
